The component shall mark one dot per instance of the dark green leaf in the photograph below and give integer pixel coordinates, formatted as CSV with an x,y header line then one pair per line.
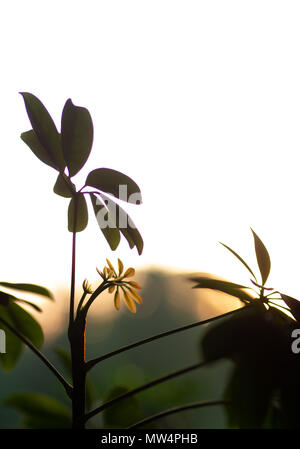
x,y
133,237
253,332
4,299
240,259
111,234
30,138
30,288
289,396
44,129
121,220
81,212
124,413
293,304
116,183
27,303
40,411
249,393
64,186
263,258
22,321
77,136
230,288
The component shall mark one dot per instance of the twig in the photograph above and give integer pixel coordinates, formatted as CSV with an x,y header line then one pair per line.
x,y
171,411
93,362
142,388
52,368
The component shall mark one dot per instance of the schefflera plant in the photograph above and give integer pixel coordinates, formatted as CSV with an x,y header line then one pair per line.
x,y
263,389
19,326
67,152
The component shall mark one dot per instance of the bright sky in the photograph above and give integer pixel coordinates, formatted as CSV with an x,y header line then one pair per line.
x,y
197,101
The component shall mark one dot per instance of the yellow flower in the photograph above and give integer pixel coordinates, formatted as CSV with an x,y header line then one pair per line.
x,y
87,288
118,284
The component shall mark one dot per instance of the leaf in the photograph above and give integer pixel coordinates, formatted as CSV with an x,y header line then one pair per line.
x,y
64,187
124,223
45,129
116,183
263,258
250,393
4,299
230,288
28,303
288,412
239,258
41,411
81,213
124,413
133,238
253,332
77,136
30,288
30,138
112,235
22,321
293,304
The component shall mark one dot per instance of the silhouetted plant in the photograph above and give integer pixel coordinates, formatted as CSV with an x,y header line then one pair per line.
x,y
263,387
67,152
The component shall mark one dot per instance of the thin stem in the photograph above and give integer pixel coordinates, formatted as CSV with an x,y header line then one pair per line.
x,y
143,388
278,305
73,269
103,286
41,356
93,362
81,302
272,293
174,410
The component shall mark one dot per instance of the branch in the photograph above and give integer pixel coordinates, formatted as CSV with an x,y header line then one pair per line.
x,y
103,286
73,269
52,368
171,411
142,388
93,362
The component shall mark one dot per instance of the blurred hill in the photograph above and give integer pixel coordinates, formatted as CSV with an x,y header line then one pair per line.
x,y
169,302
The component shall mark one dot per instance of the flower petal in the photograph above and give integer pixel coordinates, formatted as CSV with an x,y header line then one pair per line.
x,y
110,266
129,273
135,285
120,266
117,299
129,302
111,288
135,296
100,273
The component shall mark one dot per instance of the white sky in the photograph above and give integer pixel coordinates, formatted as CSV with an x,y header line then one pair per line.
x,y
197,101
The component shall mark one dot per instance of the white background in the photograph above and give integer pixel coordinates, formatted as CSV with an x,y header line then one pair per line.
x,y
197,101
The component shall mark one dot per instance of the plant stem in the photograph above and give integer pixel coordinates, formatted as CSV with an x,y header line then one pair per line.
x,y
93,362
78,371
73,272
76,334
103,286
81,302
173,410
41,356
143,388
